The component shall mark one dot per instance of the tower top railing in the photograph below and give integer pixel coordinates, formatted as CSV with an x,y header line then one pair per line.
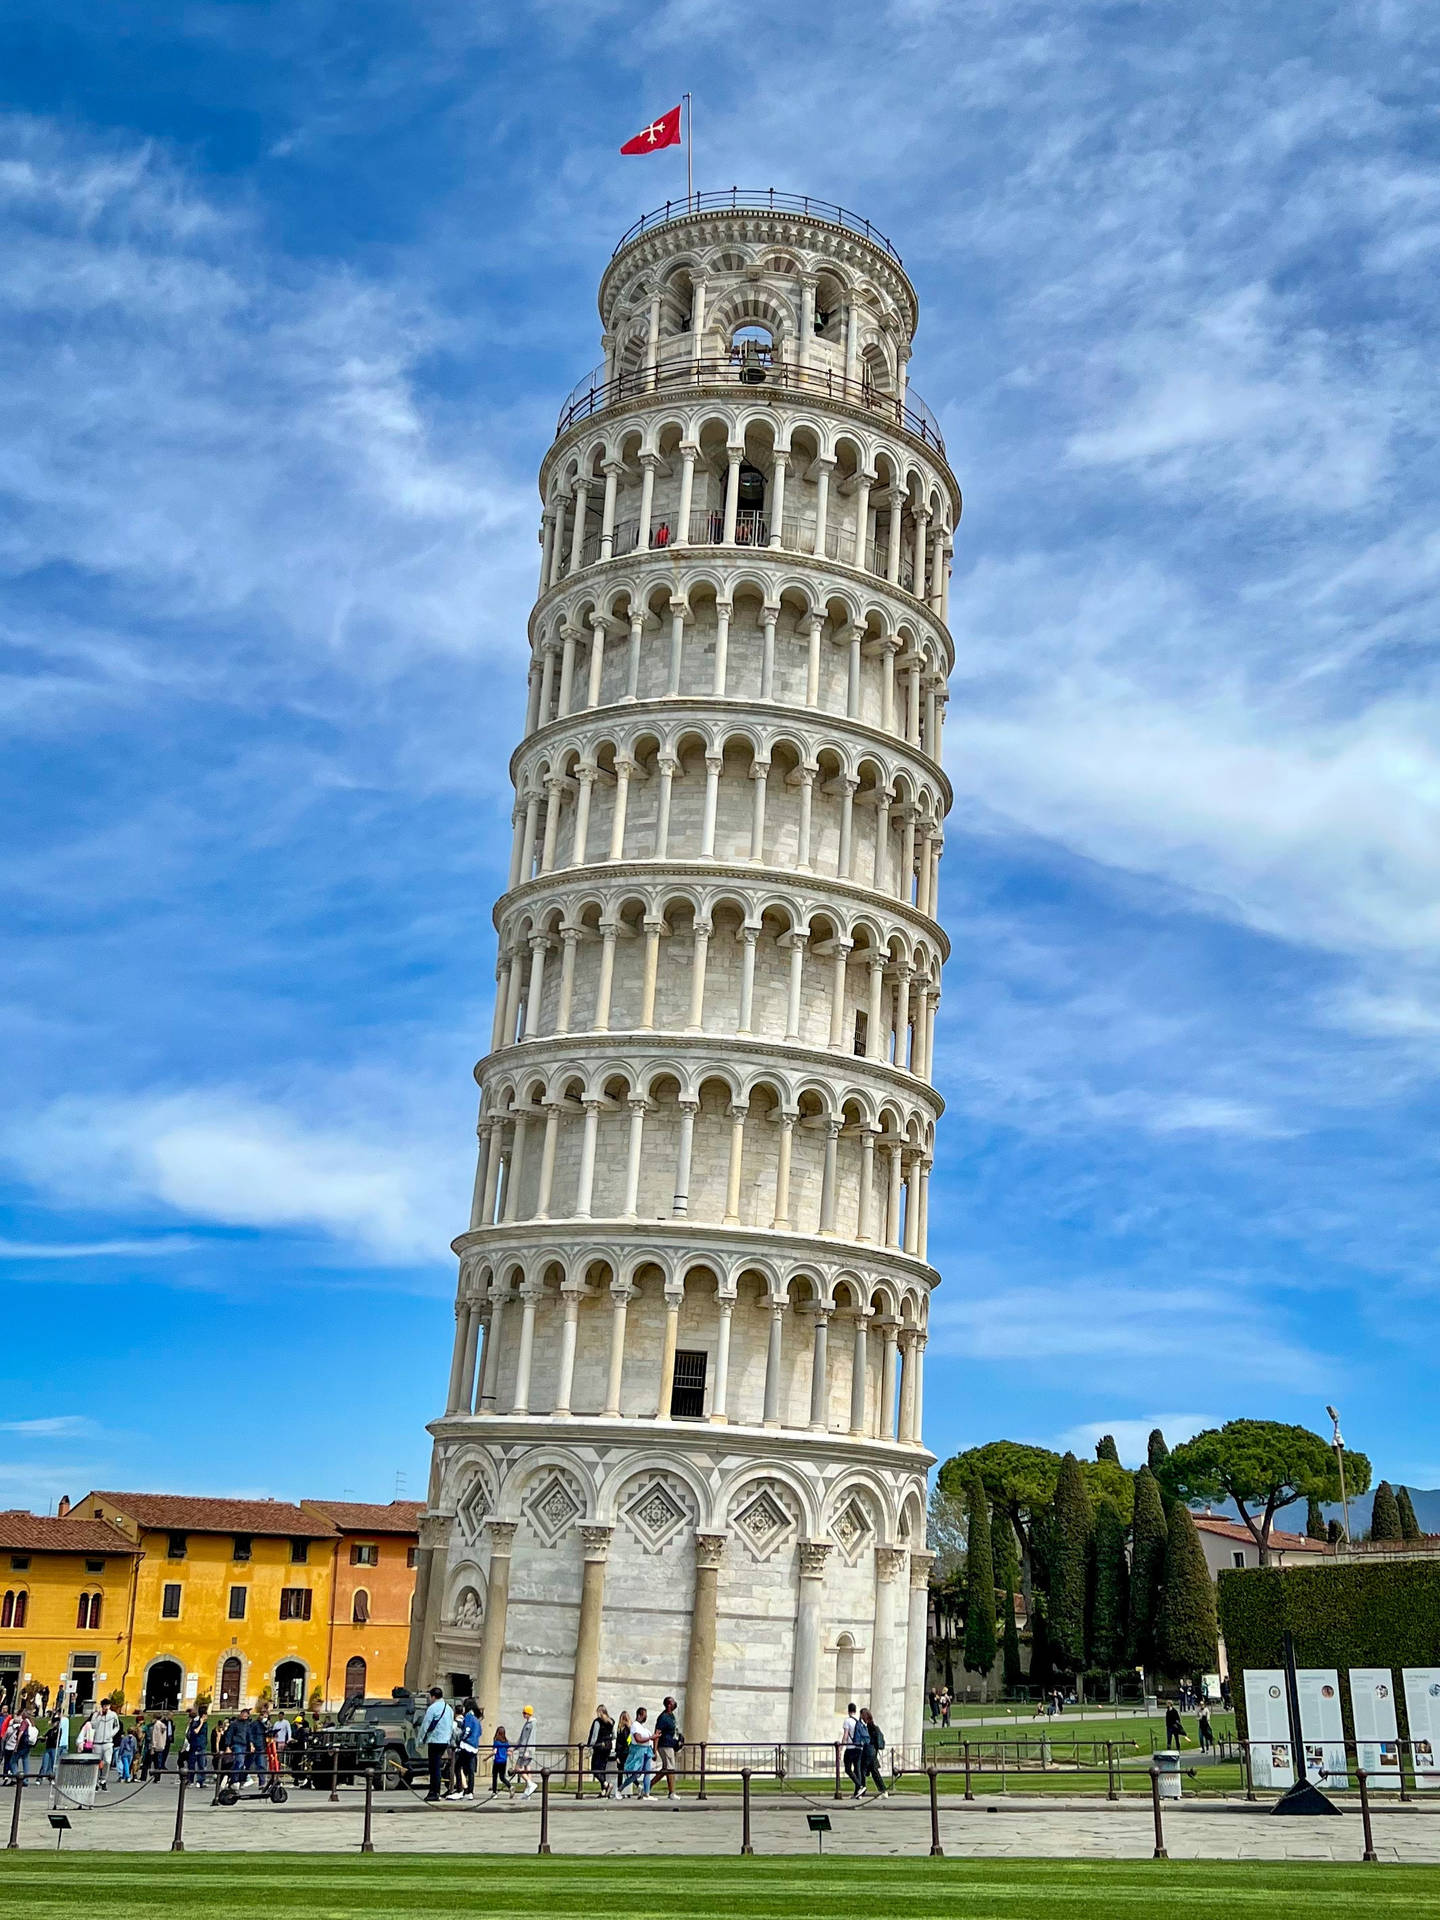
x,y
595,393
758,200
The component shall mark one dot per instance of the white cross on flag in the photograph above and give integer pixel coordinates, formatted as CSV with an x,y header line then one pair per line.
x,y
664,132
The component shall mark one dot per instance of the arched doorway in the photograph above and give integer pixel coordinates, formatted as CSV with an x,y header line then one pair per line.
x,y
230,1683
162,1686
290,1684
355,1678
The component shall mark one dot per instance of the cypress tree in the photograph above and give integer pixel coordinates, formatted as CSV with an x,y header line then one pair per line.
x,y
1106,1449
1156,1452
1333,1533
1385,1514
1314,1519
1108,1619
1002,1539
1147,1566
1186,1634
1070,1567
979,1585
1409,1525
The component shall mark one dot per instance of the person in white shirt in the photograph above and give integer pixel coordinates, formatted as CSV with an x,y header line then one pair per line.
x,y
104,1732
847,1738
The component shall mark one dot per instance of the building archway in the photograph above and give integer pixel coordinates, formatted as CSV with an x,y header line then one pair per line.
x,y
290,1684
355,1678
162,1686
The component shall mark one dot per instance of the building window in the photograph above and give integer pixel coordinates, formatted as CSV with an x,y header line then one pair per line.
x,y
687,1395
364,1553
237,1602
176,1548
241,1550
20,1563
1237,1558
355,1678
360,1608
230,1683
299,1552
412,1556
295,1603
14,1608
170,1600
862,1033
87,1612
94,1566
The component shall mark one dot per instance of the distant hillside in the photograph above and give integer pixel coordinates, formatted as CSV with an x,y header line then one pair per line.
x,y
1426,1502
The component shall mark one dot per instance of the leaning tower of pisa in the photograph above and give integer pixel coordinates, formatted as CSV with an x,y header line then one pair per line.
x,y
682,1450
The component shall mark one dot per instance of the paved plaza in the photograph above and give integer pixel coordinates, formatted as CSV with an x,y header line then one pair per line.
x,y
989,1828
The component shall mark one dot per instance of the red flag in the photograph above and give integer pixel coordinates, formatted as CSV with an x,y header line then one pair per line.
x,y
664,132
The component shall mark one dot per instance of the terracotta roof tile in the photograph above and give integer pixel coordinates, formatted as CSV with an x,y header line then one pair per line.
x,y
358,1516
184,1513
1236,1530
36,1533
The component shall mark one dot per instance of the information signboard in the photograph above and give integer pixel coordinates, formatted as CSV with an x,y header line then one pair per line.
x,y
1377,1734
1268,1727
1322,1727
1422,1710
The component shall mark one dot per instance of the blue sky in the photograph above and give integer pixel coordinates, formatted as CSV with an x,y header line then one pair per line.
x,y
291,296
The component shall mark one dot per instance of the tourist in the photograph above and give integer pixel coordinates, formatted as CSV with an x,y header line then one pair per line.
x,y
471,1733
849,1739
17,1741
499,1761
622,1752
525,1753
1174,1727
277,1748
662,534
601,1743
162,1737
1207,1734
437,1730
668,1742
192,1761
57,1744
870,1752
640,1758
934,1702
944,1706
126,1748
1225,1693
104,1732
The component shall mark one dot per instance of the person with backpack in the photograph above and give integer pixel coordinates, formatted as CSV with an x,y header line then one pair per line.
x,y
850,1742
470,1734
126,1748
602,1748
192,1763
669,1741
16,1742
871,1748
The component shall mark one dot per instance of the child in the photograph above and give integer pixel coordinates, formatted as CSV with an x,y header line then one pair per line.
x,y
500,1761
125,1749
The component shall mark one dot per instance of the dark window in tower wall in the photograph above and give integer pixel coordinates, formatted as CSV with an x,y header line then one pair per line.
x,y
687,1395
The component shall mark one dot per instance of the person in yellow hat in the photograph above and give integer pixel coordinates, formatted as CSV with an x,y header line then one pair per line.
x,y
524,1753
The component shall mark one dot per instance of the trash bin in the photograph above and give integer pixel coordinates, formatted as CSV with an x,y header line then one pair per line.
x,y
76,1779
1167,1765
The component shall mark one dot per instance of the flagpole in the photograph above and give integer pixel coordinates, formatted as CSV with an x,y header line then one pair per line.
x,y
689,151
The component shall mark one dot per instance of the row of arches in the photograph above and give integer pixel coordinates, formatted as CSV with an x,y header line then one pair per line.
x,y
662,1144
725,1343
745,479
676,960
774,640
736,796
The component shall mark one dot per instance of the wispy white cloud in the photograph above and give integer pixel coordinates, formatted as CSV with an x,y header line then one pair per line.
x,y
60,1426
1131,1435
97,1249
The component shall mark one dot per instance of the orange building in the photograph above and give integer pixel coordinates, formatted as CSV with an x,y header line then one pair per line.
x,y
373,1586
237,1599
66,1590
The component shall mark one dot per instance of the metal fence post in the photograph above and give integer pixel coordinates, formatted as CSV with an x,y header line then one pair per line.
x,y
969,1789
580,1770
745,1846
367,1845
838,1794
1249,1771
14,1841
1369,1853
544,1846
177,1845
1159,1853
936,1850
1112,1785
701,1795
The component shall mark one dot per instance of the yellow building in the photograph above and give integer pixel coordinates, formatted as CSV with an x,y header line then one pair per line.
x,y
66,1590
238,1599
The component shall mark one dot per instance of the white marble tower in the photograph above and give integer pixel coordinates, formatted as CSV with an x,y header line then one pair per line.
x,y
682,1447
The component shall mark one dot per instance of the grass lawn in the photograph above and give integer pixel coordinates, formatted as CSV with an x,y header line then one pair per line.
x,y
135,1887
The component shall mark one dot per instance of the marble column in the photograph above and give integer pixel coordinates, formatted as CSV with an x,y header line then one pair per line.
x,y
584,1695
886,1673
915,1643
805,1672
700,1670
497,1608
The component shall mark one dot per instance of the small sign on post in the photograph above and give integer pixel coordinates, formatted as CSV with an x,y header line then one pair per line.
x,y
819,1824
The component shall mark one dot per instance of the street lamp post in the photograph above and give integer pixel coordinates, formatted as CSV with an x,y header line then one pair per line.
x,y
1339,1445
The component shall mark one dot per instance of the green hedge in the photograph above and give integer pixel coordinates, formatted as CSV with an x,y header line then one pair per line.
x,y
1340,1616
